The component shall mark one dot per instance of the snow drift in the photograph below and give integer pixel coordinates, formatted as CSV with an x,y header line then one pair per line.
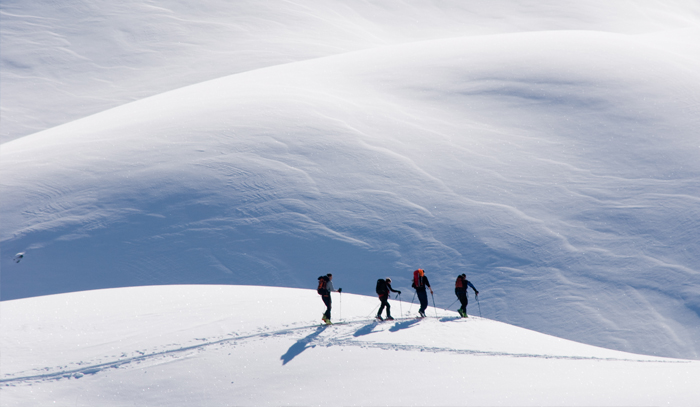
x,y
62,61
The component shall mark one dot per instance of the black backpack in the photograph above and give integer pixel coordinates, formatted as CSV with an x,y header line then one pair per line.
x,y
381,286
322,290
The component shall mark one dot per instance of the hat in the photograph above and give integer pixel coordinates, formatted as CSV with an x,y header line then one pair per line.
x,y
388,280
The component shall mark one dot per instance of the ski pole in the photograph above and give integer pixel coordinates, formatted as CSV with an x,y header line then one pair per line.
x,y
434,307
409,308
400,306
447,309
477,302
368,315
341,306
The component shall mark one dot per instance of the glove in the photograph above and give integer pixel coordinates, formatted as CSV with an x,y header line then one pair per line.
x,y
399,292
340,290
477,293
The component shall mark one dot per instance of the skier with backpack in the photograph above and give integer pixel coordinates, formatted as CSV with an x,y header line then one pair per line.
x,y
383,290
461,286
325,287
420,281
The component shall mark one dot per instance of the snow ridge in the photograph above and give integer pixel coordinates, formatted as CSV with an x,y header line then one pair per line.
x,y
161,344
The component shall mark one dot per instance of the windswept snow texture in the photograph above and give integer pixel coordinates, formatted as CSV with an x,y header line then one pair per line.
x,y
548,150
233,346
63,60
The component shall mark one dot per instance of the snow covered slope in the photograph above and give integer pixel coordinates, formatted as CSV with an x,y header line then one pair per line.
x,y
244,345
558,168
63,60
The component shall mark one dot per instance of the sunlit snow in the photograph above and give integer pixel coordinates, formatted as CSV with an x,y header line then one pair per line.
x,y
549,150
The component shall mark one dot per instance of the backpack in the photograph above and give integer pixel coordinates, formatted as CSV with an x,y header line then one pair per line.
x,y
417,281
322,281
460,282
381,286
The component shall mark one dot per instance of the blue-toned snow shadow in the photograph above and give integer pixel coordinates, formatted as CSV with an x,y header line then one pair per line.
x,y
448,319
403,325
300,346
365,330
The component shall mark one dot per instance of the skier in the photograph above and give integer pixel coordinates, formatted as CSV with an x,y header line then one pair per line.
x,y
420,281
461,286
383,290
325,287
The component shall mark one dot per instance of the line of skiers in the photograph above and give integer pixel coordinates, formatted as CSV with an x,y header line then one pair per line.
x,y
420,284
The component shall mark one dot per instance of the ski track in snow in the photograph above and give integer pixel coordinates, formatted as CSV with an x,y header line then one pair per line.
x,y
341,334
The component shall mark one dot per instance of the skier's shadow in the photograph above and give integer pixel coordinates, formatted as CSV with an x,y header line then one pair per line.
x,y
403,325
300,346
365,330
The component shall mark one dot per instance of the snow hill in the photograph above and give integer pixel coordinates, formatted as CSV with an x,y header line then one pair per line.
x,y
549,150
246,345
62,61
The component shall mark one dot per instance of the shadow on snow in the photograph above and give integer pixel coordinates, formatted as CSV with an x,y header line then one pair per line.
x,y
367,329
403,325
300,346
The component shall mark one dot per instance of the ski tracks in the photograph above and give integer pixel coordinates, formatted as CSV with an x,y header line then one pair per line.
x,y
344,334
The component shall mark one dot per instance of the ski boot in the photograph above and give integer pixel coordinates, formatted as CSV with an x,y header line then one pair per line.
x,y
389,318
379,318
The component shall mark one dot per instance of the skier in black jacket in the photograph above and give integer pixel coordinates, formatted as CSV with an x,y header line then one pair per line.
x,y
420,281
461,286
383,290
325,287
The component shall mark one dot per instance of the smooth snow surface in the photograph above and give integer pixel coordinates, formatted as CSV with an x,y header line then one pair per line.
x,y
247,345
549,150
63,60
